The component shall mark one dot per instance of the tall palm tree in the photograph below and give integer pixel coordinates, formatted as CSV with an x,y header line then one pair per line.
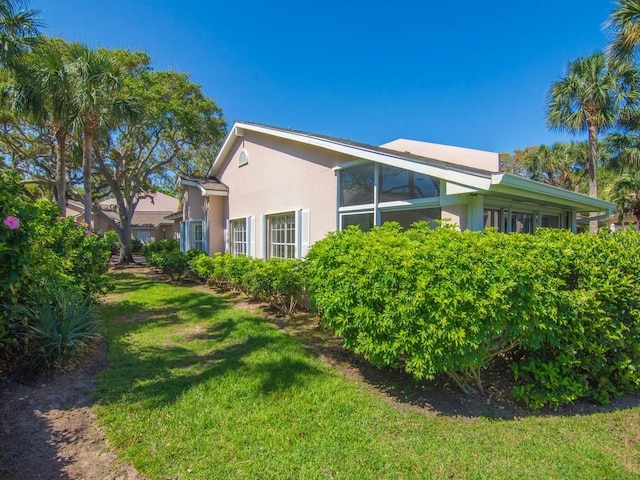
x,y
19,31
96,78
624,28
42,89
589,99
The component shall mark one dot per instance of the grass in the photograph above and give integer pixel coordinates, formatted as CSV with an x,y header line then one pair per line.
x,y
199,390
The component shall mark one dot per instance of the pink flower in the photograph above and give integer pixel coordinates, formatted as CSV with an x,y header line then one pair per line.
x,y
11,222
87,232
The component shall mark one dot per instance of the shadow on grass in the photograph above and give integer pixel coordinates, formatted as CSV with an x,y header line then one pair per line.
x,y
440,396
154,375
207,344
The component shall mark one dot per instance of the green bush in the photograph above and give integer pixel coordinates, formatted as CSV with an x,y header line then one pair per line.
x,y
565,306
60,328
276,281
39,253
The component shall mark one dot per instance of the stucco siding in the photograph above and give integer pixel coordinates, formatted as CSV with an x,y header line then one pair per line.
x,y
217,221
193,204
282,176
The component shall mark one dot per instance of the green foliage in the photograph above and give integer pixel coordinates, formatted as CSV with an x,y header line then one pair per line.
x,y
199,389
42,253
60,327
167,245
276,281
566,306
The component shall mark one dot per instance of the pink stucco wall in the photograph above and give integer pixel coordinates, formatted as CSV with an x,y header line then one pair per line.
x,y
282,176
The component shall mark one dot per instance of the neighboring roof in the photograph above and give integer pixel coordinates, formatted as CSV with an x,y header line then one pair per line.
x,y
207,185
460,177
144,219
155,202
174,216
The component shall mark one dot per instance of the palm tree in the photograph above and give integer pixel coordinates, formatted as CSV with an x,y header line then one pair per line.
x,y
19,31
627,195
624,28
589,99
96,78
42,90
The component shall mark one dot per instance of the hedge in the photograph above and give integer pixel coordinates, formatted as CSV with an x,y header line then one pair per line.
x,y
276,281
563,308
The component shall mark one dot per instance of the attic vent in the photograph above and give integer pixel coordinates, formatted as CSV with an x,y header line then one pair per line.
x,y
243,159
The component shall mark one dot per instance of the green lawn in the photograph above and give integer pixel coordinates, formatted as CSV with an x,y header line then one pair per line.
x,y
199,390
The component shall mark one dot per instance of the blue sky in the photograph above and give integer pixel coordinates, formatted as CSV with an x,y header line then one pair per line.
x,y
467,73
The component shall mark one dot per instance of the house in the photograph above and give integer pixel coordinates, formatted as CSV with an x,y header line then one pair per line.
x,y
273,192
152,220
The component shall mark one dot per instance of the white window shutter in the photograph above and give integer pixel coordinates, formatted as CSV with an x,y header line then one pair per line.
x,y
187,235
182,236
305,233
265,237
205,236
227,237
251,228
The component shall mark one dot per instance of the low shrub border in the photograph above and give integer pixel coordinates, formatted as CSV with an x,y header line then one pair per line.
x,y
562,309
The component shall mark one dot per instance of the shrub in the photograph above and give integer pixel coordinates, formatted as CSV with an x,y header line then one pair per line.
x,y
276,281
40,252
60,328
566,306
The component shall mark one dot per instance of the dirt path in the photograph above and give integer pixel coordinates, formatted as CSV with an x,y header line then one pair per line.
x,y
48,429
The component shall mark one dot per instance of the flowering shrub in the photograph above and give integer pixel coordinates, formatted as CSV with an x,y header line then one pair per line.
x,y
41,253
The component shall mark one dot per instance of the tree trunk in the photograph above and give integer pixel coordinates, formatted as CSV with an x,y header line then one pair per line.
x,y
593,168
87,153
126,249
61,171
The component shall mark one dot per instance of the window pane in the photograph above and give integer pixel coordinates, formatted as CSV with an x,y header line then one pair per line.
x,y
282,236
356,185
394,184
425,186
550,221
239,237
363,220
521,222
408,217
399,184
492,219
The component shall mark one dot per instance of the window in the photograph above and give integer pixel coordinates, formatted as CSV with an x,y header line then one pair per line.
x,y
192,235
363,220
399,184
196,236
492,219
282,235
550,221
356,185
521,222
408,217
239,242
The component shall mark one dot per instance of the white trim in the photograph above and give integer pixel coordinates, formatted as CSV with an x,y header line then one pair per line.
x,y
501,182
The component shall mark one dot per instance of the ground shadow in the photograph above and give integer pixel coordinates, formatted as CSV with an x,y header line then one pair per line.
x,y
440,396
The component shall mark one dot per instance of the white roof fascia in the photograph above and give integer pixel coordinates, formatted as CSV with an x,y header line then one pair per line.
x,y
451,188
476,181
573,199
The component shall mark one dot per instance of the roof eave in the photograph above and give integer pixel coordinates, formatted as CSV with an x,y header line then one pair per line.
x,y
577,201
